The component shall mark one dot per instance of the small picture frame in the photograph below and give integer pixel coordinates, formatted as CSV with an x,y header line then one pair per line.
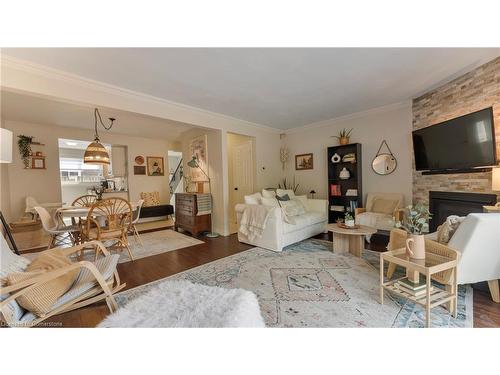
x,y
155,166
140,170
304,162
37,162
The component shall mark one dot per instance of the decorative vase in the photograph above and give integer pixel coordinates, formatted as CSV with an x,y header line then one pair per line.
x,y
415,246
344,174
336,158
344,140
349,223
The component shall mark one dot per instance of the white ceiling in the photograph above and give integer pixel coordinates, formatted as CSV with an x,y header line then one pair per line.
x,y
37,110
278,87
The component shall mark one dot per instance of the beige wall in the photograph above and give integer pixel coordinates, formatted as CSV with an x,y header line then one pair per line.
x,y
392,123
468,93
45,186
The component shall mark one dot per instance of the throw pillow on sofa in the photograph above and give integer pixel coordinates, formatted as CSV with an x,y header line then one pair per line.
x,y
293,208
302,199
253,198
446,230
283,198
281,192
271,202
151,198
268,193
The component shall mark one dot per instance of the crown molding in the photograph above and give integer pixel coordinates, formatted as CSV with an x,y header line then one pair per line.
x,y
60,75
355,115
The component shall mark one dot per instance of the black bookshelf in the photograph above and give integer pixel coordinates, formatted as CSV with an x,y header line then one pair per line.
x,y
354,181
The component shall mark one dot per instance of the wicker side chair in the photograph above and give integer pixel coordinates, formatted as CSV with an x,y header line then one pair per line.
x,y
83,201
109,220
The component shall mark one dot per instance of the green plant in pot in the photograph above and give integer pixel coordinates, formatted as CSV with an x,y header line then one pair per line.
x,y
349,220
24,143
415,220
343,136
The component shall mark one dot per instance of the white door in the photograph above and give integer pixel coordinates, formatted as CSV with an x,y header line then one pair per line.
x,y
243,172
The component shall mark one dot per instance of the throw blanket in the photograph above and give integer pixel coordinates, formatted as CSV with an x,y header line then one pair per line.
x,y
253,221
204,204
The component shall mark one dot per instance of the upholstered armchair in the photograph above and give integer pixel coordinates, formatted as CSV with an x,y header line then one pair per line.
x,y
381,210
477,240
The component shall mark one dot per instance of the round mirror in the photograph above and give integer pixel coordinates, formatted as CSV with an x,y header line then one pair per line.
x,y
384,164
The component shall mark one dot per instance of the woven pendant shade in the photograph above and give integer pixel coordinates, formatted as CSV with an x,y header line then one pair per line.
x,y
96,153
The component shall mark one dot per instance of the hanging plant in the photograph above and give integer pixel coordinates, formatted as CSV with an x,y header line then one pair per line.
x,y
24,143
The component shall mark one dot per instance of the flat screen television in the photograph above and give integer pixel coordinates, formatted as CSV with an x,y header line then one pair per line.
x,y
465,142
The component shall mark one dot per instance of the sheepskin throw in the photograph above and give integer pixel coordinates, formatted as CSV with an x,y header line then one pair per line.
x,y
185,304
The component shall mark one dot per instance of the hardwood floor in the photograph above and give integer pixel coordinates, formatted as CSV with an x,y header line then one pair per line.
x,y
145,270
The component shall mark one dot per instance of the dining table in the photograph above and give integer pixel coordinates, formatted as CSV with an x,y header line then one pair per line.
x,y
83,212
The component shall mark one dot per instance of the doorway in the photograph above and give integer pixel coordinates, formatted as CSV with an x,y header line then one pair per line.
x,y
242,172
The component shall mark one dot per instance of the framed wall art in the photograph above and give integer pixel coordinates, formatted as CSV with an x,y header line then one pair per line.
x,y
198,148
155,166
139,169
303,162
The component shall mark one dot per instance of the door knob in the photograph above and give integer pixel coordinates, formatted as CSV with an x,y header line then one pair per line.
x,y
236,188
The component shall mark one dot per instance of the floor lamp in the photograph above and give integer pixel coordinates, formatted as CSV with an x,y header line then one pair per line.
x,y
193,163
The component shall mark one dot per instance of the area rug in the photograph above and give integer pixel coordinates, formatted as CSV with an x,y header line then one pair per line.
x,y
156,243
153,243
307,285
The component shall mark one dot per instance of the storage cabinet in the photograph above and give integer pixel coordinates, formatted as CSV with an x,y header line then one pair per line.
x,y
186,214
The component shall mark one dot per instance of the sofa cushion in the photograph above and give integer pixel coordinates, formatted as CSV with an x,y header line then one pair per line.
x,y
253,198
375,220
302,199
384,206
302,221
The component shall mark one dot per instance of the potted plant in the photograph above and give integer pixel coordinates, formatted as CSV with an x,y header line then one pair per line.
x,y
415,220
348,220
343,136
24,144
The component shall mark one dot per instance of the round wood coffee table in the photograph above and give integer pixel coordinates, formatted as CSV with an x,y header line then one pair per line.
x,y
349,240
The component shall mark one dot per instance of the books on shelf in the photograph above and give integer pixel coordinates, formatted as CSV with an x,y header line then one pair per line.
x,y
353,205
417,290
416,293
337,208
335,190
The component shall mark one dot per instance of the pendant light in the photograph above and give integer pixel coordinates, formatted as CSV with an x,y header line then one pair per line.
x,y
96,153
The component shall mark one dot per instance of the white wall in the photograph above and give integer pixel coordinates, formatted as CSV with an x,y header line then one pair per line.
x,y
392,123
45,185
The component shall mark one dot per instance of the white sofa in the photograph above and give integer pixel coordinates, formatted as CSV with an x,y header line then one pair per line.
x,y
278,234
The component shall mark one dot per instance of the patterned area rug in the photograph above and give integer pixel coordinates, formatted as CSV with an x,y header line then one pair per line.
x,y
307,285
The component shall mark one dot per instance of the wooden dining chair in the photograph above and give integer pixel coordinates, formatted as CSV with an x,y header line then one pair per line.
x,y
109,220
83,201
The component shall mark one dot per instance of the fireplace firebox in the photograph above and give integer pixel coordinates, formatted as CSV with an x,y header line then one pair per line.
x,y
443,204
